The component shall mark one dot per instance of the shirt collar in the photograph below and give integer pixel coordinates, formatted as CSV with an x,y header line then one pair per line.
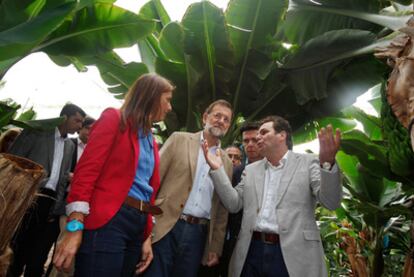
x,y
58,135
80,142
282,162
148,136
202,139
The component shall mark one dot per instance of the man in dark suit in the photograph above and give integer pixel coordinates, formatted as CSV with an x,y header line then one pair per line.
x,y
80,144
40,226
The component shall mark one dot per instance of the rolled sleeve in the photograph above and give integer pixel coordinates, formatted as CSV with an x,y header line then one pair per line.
x,y
77,206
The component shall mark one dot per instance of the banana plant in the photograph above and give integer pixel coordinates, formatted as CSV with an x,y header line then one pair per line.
x,y
335,42
257,56
375,191
66,30
11,115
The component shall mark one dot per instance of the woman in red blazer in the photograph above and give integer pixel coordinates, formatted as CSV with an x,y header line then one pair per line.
x,y
110,204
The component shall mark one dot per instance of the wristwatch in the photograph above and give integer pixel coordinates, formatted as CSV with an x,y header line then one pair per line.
x,y
326,165
74,225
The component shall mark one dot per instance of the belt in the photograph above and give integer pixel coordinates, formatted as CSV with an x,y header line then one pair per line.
x,y
266,237
193,220
142,206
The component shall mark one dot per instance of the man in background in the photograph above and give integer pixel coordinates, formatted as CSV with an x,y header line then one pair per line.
x,y
80,144
40,225
234,154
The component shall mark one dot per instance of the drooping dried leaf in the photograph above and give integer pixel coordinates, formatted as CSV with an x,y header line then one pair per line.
x,y
400,91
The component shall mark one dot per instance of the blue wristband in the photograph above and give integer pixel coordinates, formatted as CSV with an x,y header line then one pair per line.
x,y
74,225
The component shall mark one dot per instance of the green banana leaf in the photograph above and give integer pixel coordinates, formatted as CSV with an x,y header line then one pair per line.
x,y
97,29
7,113
149,47
372,125
30,114
372,156
117,74
170,40
209,58
41,124
309,131
13,13
20,40
154,9
251,24
311,68
308,19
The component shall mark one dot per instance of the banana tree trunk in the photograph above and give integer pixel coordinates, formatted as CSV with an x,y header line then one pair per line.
x,y
19,178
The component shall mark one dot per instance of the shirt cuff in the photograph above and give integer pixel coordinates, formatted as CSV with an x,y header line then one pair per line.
x,y
77,206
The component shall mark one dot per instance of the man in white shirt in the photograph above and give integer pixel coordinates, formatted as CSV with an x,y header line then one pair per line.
x,y
40,225
279,235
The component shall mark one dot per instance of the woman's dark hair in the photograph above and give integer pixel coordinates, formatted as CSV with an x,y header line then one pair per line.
x,y
143,101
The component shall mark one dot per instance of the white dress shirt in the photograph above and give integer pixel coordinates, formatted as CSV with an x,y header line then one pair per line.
x,y
81,147
266,220
199,201
57,161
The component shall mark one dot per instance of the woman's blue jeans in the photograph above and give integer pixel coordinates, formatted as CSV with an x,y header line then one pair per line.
x,y
114,249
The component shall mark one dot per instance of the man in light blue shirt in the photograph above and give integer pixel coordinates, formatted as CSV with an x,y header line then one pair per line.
x,y
194,220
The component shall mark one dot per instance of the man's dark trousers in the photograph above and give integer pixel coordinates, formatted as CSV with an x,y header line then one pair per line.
x,y
37,232
179,253
264,259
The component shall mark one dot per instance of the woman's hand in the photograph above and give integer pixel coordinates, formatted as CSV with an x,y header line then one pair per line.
x,y
146,256
66,250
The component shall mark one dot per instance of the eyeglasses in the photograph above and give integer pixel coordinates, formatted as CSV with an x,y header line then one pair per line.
x,y
219,116
234,156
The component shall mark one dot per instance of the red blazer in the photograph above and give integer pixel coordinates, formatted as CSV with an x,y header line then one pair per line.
x,y
106,170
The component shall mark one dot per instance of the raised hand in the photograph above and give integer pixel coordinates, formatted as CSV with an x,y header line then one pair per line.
x,y
328,144
214,161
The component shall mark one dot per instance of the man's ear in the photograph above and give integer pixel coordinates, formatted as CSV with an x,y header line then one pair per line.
x,y
205,118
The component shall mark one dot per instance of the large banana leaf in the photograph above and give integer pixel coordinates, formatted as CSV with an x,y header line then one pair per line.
x,y
307,19
173,67
310,69
209,57
371,124
117,74
149,47
97,29
309,131
20,40
251,25
41,124
13,13
154,9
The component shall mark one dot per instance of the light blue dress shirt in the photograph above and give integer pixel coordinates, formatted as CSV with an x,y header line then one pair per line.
x,y
141,188
199,201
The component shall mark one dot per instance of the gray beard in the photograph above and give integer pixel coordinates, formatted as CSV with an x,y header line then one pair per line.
x,y
214,131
